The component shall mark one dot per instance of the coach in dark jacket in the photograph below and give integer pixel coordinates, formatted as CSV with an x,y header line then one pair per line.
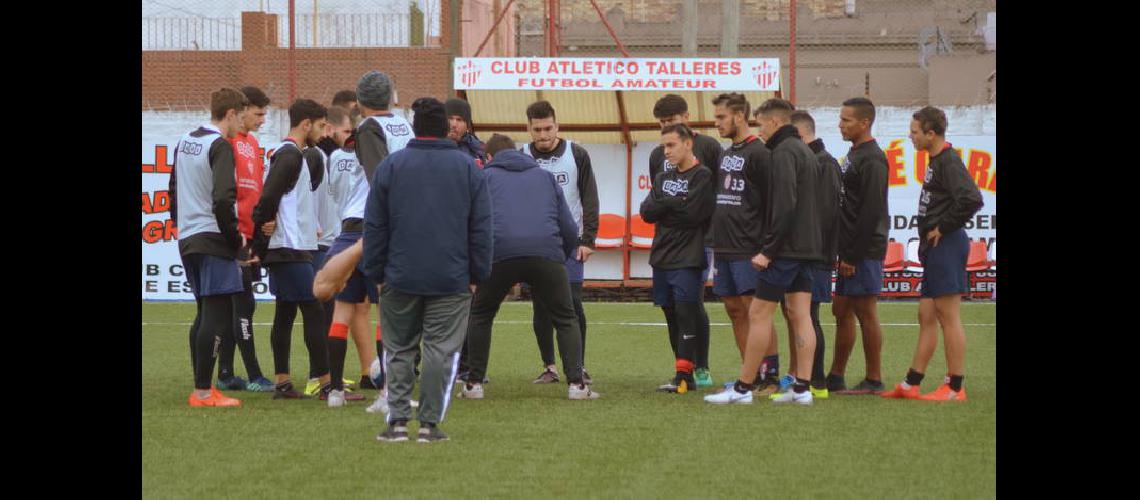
x,y
428,260
534,235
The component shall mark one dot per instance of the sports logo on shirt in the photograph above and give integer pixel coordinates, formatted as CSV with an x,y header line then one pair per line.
x,y
547,163
732,164
190,148
673,187
668,166
397,129
344,165
562,178
845,165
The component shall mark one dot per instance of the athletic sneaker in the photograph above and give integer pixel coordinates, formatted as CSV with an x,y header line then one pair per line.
x,y
547,376
803,398
943,393
786,382
380,405
835,383
581,391
429,433
335,398
260,384
348,384
766,388
395,433
232,383
864,387
366,383
681,383
899,393
286,391
376,373
704,378
345,394
729,396
818,393
586,378
471,391
215,399
312,387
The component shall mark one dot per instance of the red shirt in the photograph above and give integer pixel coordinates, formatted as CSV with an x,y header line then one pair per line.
x,y
250,170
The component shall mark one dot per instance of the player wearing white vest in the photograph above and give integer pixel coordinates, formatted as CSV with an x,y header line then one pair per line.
x,y
203,197
570,164
288,197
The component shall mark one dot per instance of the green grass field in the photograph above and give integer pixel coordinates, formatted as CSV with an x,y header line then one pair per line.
x,y
528,440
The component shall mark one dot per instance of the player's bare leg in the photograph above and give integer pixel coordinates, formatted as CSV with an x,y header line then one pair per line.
x,y
867,311
333,277
737,310
844,334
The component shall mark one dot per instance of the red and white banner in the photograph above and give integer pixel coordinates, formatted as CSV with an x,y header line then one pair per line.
x,y
584,73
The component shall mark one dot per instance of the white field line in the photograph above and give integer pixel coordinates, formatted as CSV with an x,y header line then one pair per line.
x,y
606,323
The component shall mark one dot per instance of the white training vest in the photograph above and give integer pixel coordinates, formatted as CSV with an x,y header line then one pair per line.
x,y
328,217
348,185
195,183
297,214
397,131
565,171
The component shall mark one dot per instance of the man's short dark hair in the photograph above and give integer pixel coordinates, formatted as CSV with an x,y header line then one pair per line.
x,y
256,96
864,108
776,108
931,118
670,105
540,110
337,115
344,98
498,142
305,109
735,102
225,99
804,119
683,131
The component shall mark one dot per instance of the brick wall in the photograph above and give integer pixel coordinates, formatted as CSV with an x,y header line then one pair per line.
x,y
186,78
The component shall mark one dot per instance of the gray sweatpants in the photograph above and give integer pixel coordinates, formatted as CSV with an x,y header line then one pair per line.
x,y
440,322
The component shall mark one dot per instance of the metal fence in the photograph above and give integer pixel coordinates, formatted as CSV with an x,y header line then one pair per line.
x,y
191,33
351,30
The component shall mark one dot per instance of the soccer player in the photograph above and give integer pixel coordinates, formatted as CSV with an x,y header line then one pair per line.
x,y
346,100
829,180
288,197
428,263
680,203
462,130
863,227
738,224
949,199
570,164
203,194
669,110
534,235
791,248
250,169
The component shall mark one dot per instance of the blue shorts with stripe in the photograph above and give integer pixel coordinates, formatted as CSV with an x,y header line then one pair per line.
x,y
821,283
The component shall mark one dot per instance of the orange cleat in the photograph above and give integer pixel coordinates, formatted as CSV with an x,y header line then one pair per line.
x,y
216,398
899,393
943,393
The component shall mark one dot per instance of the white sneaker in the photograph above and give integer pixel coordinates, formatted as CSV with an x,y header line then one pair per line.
x,y
381,403
582,391
375,371
415,404
336,398
803,398
475,391
729,396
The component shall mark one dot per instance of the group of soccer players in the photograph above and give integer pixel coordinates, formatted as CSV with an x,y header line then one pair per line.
x,y
773,214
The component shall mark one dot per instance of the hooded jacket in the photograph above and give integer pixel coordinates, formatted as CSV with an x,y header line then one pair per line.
x,y
792,228
530,214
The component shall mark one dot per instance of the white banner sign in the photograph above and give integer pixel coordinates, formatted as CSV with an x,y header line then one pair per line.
x,y
569,73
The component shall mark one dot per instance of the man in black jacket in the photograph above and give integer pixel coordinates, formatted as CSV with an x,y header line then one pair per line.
x,y
680,203
949,199
791,249
863,227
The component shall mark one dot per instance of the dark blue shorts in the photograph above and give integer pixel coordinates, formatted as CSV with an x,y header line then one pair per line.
x,y
211,275
821,283
291,281
868,280
944,266
676,285
735,277
784,276
708,265
358,286
319,257
575,270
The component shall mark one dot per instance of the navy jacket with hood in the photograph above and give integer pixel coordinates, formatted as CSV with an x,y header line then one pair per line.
x,y
530,214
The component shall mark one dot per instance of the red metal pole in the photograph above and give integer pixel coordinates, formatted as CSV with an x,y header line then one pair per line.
x,y
609,28
493,28
792,55
292,53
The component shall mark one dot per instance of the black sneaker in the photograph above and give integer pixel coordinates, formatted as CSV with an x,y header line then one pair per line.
x,y
681,383
366,383
835,383
396,432
865,387
285,390
429,433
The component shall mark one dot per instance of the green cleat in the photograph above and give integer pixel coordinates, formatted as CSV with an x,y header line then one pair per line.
x,y
818,393
704,378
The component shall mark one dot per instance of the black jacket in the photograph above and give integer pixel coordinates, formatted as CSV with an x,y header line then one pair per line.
x,y
792,228
863,214
830,180
706,149
949,195
741,180
681,204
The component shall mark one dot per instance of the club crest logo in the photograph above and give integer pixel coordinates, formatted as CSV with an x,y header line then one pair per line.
x,y
765,74
469,73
